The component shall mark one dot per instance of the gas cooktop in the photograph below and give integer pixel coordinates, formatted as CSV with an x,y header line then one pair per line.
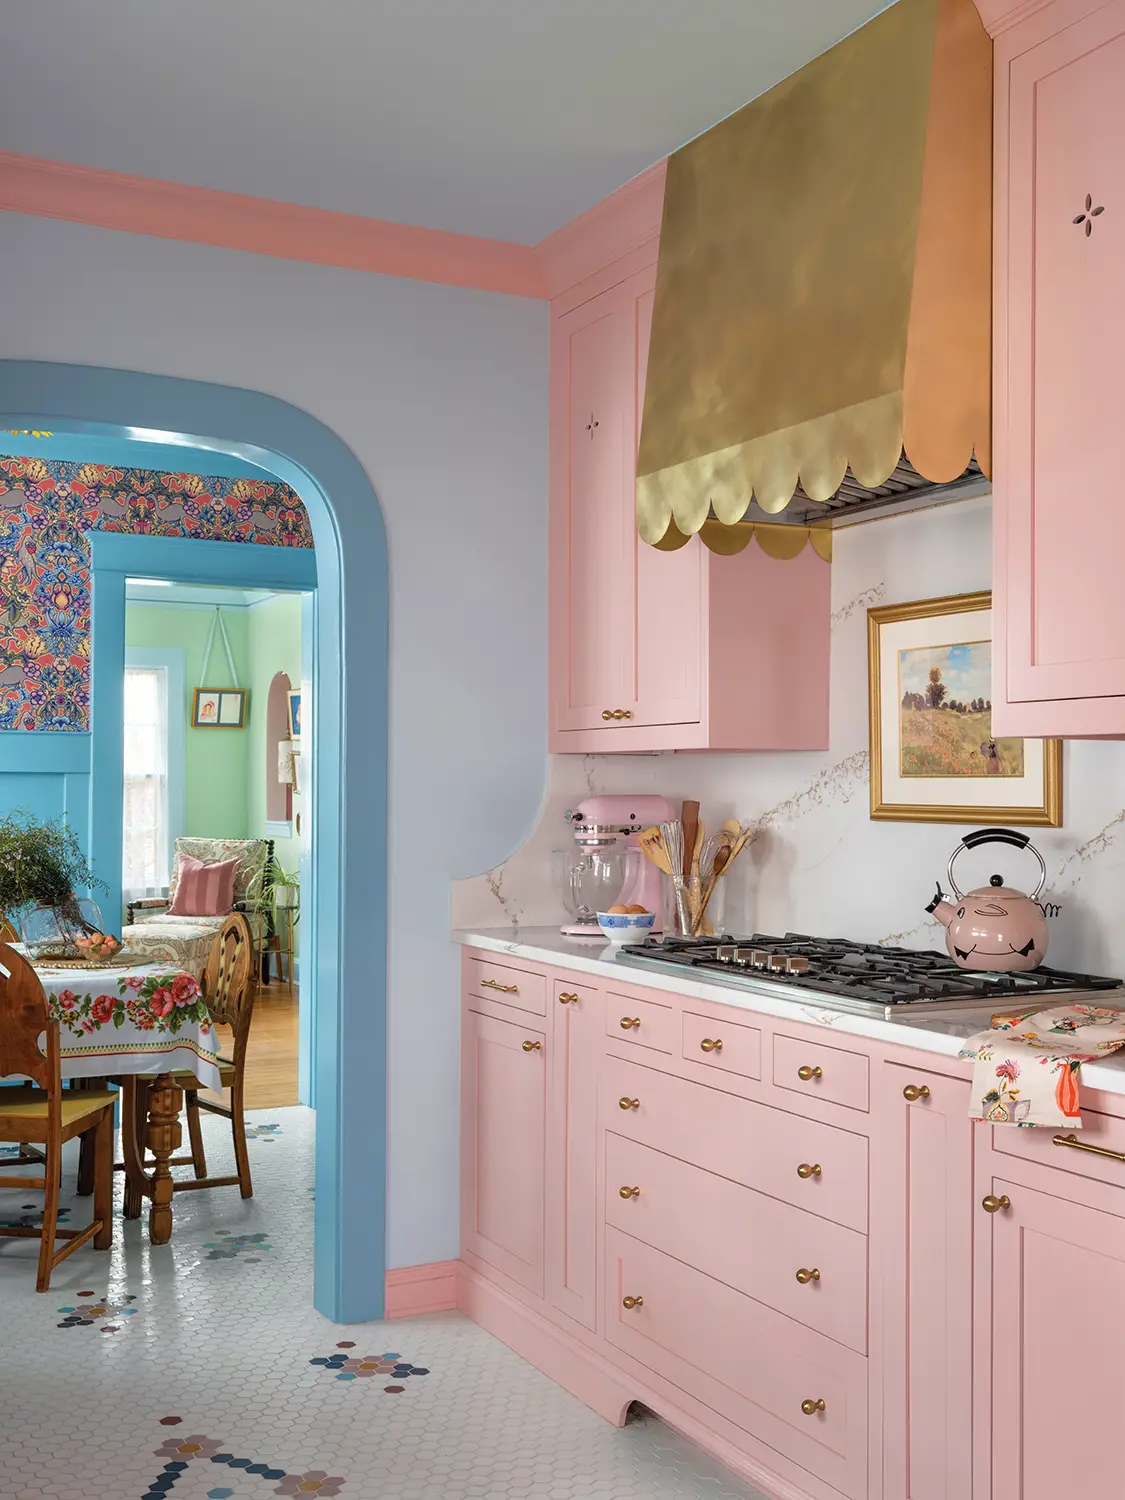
x,y
858,977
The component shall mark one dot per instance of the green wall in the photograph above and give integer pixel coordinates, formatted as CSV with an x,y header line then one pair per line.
x,y
274,646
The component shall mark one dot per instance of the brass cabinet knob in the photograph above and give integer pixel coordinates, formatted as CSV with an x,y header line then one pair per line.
x,y
630,1302
624,1103
533,1046
607,713
628,1192
505,989
712,1046
807,1169
993,1205
630,1023
622,713
914,1091
805,1276
806,1073
566,998
810,1408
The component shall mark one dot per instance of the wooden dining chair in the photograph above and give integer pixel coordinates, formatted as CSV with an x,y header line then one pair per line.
x,y
41,1113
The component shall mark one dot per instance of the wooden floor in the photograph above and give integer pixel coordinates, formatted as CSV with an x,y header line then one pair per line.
x,y
271,1056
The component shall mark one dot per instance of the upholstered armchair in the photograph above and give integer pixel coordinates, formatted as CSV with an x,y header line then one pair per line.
x,y
152,933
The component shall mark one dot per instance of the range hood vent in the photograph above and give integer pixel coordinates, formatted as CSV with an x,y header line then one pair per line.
x,y
821,329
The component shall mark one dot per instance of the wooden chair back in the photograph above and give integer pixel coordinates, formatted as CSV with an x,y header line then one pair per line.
x,y
24,1018
8,933
226,979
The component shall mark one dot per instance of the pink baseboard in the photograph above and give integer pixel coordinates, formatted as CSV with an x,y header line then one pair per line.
x,y
421,1289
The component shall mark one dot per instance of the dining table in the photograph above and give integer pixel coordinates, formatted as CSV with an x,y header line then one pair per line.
x,y
140,1024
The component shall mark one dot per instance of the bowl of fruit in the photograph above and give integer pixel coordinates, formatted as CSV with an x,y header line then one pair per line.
x,y
626,924
98,947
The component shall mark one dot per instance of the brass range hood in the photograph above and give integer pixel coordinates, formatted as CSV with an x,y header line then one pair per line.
x,y
822,319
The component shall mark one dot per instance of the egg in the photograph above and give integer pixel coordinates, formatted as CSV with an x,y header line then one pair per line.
x,y
637,911
619,911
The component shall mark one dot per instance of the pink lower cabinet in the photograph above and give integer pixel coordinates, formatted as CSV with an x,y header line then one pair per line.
x,y
801,1394
922,1252
1058,1347
503,1118
572,1145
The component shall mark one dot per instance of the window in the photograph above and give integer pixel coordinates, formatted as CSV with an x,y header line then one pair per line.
x,y
147,843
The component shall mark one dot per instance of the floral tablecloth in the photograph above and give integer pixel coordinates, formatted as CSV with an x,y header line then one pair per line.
x,y
146,1019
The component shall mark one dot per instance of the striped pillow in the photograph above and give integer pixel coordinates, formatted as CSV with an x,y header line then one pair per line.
x,y
203,890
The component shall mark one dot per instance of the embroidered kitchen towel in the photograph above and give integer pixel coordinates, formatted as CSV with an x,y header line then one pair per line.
x,y
1026,1067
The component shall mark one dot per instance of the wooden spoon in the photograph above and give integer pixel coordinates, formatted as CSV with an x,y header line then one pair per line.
x,y
652,844
689,821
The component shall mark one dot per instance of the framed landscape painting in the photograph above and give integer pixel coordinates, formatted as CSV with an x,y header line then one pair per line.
x,y
934,758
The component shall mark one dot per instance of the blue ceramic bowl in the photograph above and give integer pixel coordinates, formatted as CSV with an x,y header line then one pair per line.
x,y
626,927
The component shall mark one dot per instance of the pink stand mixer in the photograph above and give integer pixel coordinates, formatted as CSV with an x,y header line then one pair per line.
x,y
607,866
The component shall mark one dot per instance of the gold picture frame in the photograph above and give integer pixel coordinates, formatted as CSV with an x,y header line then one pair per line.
x,y
910,784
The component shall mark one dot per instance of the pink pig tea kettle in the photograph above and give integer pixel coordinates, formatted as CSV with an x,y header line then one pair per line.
x,y
994,927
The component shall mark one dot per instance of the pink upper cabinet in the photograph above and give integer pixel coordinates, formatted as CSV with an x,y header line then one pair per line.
x,y
1059,521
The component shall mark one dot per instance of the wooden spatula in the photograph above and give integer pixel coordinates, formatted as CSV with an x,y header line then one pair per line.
x,y
689,821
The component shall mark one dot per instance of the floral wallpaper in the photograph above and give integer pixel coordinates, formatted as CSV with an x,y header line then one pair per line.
x,y
46,508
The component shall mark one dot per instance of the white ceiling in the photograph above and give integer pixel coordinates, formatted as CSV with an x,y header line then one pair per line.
x,y
502,118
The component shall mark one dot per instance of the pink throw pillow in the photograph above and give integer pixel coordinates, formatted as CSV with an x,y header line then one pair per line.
x,y
203,890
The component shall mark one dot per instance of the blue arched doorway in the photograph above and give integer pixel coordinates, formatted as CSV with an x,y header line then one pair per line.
x,y
349,855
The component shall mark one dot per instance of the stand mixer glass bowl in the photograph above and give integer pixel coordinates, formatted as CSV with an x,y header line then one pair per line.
x,y
591,879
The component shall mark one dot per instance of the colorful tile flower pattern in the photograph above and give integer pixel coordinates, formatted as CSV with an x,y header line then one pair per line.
x,y
46,508
227,1246
370,1366
181,1452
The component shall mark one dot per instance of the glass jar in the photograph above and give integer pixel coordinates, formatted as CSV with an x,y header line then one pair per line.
x,y
49,931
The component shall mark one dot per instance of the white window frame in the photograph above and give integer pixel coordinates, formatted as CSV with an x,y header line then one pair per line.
x,y
173,660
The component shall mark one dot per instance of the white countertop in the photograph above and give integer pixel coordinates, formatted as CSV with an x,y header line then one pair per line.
x,y
940,1034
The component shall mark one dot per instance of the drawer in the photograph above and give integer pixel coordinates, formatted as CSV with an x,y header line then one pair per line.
x,y
745,1361
1103,1131
754,1144
726,1046
821,1072
523,989
752,1243
642,1023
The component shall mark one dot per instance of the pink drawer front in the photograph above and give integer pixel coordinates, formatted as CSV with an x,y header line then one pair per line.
x,y
726,1046
522,989
820,1168
747,1362
641,1022
752,1243
1064,1148
821,1072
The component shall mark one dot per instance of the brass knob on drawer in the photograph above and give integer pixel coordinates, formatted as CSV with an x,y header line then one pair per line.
x,y
805,1276
992,1205
630,1023
624,1103
630,1302
628,1192
914,1091
607,713
533,1046
622,713
708,1045
807,1169
810,1408
566,998
806,1073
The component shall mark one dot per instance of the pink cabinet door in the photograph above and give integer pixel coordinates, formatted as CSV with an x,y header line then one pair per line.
x,y
1058,1356
572,1144
922,1225
503,1112
1060,515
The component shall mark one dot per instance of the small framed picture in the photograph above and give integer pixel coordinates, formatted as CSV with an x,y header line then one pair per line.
x,y
295,715
218,708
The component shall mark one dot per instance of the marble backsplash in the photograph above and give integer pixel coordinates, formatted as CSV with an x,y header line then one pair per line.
x,y
818,863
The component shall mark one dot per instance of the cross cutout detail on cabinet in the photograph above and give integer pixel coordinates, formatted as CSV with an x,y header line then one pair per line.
x,y
593,422
1090,215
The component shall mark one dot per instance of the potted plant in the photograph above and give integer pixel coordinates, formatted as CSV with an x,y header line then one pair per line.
x,y
42,867
283,887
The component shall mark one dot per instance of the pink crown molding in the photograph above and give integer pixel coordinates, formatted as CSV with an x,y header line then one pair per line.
x,y
610,230
204,216
999,16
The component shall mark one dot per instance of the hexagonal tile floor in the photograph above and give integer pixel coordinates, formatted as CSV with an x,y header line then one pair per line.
x,y
201,1371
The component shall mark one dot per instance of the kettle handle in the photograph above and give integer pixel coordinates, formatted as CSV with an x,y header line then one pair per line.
x,y
998,836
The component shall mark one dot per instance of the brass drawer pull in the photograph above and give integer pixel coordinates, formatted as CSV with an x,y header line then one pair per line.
x,y
707,1045
630,1023
533,1046
805,1276
607,713
810,1408
624,1103
616,713
914,1091
505,989
992,1205
1073,1141
630,1302
807,1169
806,1073
566,998
628,1192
